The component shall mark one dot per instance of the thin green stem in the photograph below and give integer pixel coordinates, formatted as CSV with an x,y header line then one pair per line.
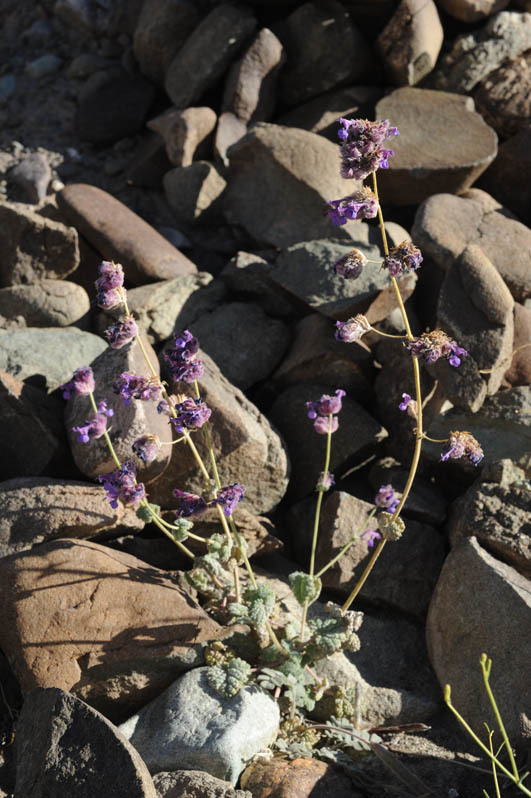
x,y
347,546
485,667
387,335
208,441
363,578
494,771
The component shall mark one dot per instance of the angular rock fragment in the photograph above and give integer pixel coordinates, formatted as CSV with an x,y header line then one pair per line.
x,y
411,41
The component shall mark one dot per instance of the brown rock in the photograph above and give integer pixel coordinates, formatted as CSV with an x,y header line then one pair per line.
x,y
194,784
99,623
229,130
519,371
503,98
162,29
119,234
411,41
320,115
296,778
32,176
473,10
194,193
444,145
185,133
46,303
506,178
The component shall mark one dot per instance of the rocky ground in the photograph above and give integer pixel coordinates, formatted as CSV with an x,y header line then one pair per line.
x,y
195,142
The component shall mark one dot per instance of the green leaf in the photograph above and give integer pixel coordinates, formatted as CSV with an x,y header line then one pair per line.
x,y
228,679
304,587
145,513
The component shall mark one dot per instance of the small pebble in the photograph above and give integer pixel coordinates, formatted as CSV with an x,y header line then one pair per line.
x,y
44,66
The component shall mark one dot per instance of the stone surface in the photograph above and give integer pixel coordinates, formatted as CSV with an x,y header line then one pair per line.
x,y
324,49
33,353
473,10
97,622
493,602
195,193
65,747
250,88
249,276
194,784
280,180
444,145
248,450
229,130
506,177
32,247
46,303
185,133
411,41
194,726
503,97
128,423
38,509
425,502
119,234
207,53
32,175
320,115
246,344
162,29
359,436
297,778
445,225
519,371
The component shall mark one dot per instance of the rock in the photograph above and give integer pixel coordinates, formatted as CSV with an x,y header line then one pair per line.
x,y
320,115
250,88
194,784
119,234
43,66
103,19
519,372
498,517
32,353
476,55
305,271
503,97
505,177
425,502
8,84
85,64
128,422
320,41
32,247
488,594
229,130
276,192
315,356
476,309
297,778
246,344
170,305
162,29
61,746
193,726
150,164
207,53
360,435
39,509
411,41
46,303
194,193
32,175
247,449
116,634
112,106
472,10
248,275
185,133
445,225
428,158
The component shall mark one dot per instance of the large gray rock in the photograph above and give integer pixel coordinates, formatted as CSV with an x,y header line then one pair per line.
x,y
162,29
506,178
47,303
191,725
481,605
64,747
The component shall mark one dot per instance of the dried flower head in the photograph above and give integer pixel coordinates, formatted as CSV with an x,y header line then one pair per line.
x,y
130,386
96,426
390,527
147,447
352,330
462,444
406,257
362,204
350,265
109,285
180,358
121,333
81,382
433,345
361,146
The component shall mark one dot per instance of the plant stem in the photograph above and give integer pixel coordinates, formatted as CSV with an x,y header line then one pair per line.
x,y
485,667
347,546
387,335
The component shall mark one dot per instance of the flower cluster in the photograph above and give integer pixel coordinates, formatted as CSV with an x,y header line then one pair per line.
x,y
97,426
362,204
324,412
386,499
121,333
433,345
189,504
191,414
131,386
109,285
147,447
352,330
406,257
361,147
350,265
182,365
462,444
229,497
122,484
81,382
192,505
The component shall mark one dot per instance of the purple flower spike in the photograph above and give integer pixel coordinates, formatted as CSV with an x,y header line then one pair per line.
x,y
350,265
433,345
352,330
361,147
323,412
147,447
180,357
130,386
122,484
191,414
462,444
109,285
326,424
97,426
121,333
406,257
81,382
370,536
386,498
189,504
363,204
229,497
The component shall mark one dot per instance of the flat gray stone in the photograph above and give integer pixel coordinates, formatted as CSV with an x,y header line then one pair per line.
x,y
47,303
192,725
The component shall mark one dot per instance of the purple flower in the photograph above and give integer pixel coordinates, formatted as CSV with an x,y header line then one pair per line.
x,y
109,285
130,386
409,405
362,204
229,497
122,484
121,333
325,481
461,444
189,504
180,357
361,147
406,257
326,424
81,382
191,414
147,447
326,405
387,499
350,265
97,426
433,345
370,536
352,330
